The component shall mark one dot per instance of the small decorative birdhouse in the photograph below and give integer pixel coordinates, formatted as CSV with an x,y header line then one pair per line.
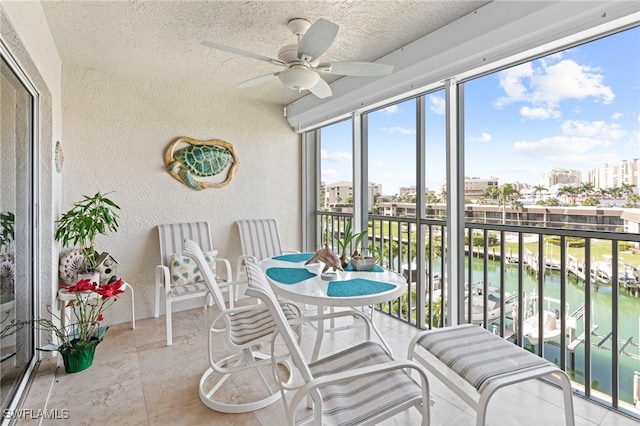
x,y
107,266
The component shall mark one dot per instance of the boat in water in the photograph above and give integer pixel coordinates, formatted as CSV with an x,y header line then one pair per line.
x,y
494,303
551,324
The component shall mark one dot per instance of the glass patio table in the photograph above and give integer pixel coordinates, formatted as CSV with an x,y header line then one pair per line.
x,y
291,279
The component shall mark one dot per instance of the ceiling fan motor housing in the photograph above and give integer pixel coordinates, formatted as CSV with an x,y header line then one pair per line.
x,y
299,78
289,53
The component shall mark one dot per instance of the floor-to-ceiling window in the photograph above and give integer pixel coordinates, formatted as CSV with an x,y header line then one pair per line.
x,y
16,230
553,142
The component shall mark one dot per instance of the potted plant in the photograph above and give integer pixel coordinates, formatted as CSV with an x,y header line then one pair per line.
x,y
79,226
77,341
7,265
344,242
7,230
364,261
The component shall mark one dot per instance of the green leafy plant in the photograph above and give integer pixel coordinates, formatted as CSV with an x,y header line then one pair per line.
x,y
377,253
7,230
80,225
344,241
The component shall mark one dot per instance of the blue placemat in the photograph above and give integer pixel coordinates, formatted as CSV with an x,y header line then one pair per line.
x,y
357,287
294,257
376,268
289,275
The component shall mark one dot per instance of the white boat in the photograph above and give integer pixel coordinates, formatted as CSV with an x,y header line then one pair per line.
x,y
493,303
550,321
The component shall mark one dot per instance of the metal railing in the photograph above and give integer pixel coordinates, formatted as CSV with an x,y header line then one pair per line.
x,y
570,296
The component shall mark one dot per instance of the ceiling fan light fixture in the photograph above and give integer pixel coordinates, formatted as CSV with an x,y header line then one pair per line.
x,y
299,78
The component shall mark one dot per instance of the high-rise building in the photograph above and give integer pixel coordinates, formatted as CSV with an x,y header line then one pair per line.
x,y
561,177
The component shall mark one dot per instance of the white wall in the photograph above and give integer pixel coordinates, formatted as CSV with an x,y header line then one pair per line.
x,y
116,130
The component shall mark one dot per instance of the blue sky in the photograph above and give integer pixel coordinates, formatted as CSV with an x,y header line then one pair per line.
x,y
576,109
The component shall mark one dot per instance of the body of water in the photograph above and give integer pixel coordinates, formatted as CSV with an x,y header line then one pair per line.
x,y
601,313
600,303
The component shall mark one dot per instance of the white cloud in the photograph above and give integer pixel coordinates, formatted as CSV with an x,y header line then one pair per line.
x,y
540,112
511,83
484,137
545,83
339,157
391,109
437,104
594,129
399,129
579,143
570,80
616,116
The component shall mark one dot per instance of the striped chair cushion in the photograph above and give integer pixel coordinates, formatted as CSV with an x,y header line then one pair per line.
x,y
477,355
255,324
178,290
361,399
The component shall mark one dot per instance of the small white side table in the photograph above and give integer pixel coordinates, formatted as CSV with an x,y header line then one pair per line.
x,y
64,296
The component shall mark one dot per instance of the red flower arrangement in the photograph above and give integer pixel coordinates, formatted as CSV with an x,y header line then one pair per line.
x,y
90,302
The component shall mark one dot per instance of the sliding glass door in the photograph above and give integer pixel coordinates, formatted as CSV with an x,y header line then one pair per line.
x,y
16,229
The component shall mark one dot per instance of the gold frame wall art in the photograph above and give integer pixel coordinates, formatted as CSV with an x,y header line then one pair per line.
x,y
201,164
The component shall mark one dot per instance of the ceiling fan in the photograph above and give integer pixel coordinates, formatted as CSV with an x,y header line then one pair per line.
x,y
301,60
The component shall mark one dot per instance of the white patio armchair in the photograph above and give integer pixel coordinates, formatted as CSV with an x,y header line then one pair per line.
x,y
177,278
260,239
362,384
246,330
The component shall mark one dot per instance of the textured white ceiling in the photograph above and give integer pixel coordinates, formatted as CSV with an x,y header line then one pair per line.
x,y
161,39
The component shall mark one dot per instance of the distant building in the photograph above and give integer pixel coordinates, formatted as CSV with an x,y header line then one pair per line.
x,y
476,188
407,191
397,209
625,172
337,193
561,177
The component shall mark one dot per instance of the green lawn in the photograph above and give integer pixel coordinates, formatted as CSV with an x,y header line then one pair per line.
x,y
599,249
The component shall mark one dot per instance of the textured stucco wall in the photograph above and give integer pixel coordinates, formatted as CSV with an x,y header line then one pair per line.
x,y
115,132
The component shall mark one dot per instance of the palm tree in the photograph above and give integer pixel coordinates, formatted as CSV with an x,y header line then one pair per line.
x,y
517,206
627,188
443,195
602,193
492,192
586,188
506,193
568,191
616,192
431,198
538,189
632,200
591,201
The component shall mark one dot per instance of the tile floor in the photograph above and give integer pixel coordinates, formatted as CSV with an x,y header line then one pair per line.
x,y
137,380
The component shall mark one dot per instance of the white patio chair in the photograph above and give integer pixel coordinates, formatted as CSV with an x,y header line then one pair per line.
x,y
246,328
360,384
260,239
176,278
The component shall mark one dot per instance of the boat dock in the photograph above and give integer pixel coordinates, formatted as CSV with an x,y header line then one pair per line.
x,y
628,276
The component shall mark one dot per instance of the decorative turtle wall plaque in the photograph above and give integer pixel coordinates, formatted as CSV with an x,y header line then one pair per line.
x,y
214,161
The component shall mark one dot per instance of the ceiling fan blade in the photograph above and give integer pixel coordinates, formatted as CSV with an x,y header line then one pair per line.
x,y
321,89
258,80
359,69
241,52
317,40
